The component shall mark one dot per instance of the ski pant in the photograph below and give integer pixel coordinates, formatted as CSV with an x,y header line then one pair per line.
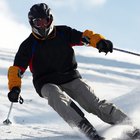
x,y
60,99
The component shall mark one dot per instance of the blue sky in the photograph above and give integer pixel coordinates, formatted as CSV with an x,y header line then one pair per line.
x,y
117,20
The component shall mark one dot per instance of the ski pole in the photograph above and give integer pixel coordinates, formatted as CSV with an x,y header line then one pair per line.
x,y
86,41
121,50
7,121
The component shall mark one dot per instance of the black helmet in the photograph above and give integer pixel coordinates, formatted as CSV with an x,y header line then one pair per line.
x,y
40,19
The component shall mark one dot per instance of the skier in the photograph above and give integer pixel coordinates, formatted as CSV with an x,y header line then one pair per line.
x,y
49,54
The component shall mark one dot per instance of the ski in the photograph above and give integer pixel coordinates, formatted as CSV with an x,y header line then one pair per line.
x,y
134,135
130,135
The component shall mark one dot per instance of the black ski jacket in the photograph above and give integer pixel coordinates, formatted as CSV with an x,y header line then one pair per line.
x,y
51,60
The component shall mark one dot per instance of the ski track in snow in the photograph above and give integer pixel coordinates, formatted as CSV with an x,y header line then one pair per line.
x,y
112,78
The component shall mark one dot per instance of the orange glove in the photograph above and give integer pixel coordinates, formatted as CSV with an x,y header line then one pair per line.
x,y
14,78
93,37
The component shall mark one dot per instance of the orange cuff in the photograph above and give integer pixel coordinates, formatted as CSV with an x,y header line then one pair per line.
x,y
94,38
14,79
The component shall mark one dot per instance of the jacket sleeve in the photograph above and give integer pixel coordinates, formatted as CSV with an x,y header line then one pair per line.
x,y
75,36
23,56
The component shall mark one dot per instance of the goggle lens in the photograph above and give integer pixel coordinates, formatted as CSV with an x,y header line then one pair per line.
x,y
41,22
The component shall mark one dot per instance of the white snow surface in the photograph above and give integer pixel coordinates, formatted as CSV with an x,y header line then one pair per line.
x,y
114,77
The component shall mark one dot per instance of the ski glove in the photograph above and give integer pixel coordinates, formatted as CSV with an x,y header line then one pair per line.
x,y
14,77
92,37
105,46
13,95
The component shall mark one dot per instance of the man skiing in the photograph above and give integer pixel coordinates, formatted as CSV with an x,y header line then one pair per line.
x,y
49,54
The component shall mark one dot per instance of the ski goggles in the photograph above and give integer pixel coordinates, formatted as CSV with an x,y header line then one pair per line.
x,y
41,22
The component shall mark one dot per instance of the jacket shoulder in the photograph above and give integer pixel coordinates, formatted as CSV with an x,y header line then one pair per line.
x,y
64,28
25,48
28,41
68,30
73,35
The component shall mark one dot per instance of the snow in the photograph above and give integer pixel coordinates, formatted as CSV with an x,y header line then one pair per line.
x,y
114,77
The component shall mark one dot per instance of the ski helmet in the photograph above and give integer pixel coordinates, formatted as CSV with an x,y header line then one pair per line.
x,y
41,20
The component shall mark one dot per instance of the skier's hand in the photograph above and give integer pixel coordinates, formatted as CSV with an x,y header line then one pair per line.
x,y
14,94
105,46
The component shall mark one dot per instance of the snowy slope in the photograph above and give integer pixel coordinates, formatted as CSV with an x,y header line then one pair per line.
x,y
114,77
